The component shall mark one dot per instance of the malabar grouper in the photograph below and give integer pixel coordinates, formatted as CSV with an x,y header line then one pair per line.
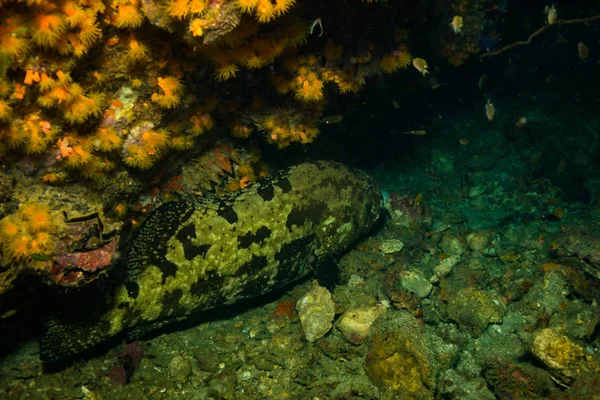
x,y
189,257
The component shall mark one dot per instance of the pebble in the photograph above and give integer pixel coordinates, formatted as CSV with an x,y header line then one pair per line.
x,y
316,311
355,324
391,246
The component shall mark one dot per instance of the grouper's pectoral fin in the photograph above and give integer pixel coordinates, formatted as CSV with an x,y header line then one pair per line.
x,y
64,339
139,331
327,272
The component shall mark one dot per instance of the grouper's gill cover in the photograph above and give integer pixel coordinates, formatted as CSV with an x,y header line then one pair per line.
x,y
189,257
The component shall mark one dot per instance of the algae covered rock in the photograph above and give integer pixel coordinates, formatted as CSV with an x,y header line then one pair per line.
x,y
397,362
565,359
404,358
473,309
316,311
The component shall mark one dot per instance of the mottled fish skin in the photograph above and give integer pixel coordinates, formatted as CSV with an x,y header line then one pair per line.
x,y
190,257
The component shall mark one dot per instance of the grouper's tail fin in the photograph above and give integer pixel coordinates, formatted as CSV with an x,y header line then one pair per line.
x,y
64,339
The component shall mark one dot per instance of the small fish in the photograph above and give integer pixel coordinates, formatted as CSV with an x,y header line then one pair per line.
x,y
437,85
481,81
582,51
41,257
489,109
395,104
521,122
562,166
457,23
552,14
332,119
421,65
418,199
419,132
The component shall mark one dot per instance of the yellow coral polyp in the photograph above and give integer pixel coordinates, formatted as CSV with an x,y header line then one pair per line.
x,y
181,142
283,6
5,110
201,123
127,16
265,11
399,59
18,249
178,8
79,156
154,142
74,13
226,71
137,157
83,107
106,139
10,227
13,41
198,6
309,88
247,5
137,52
89,31
241,130
27,232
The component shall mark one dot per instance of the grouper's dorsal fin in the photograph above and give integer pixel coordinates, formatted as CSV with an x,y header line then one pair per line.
x,y
149,243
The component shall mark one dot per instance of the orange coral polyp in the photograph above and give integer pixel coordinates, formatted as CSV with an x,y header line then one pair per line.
x,y
196,27
10,227
166,101
106,139
37,217
14,47
47,29
170,85
154,142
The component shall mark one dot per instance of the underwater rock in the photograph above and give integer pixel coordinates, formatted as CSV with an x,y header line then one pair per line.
x,y
406,360
565,359
444,268
395,362
516,380
478,241
416,283
391,246
316,311
409,218
355,324
451,245
473,309
180,369
189,257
